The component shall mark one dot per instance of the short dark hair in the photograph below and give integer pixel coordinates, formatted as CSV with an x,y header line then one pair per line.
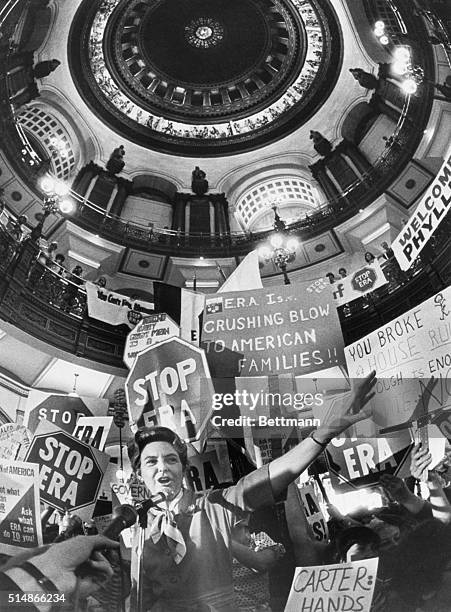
x,y
356,535
146,435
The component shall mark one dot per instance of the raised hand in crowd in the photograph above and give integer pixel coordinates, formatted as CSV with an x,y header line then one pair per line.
x,y
285,469
398,491
439,502
352,409
421,459
58,564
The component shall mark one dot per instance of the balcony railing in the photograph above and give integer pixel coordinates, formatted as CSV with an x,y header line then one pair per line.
x,y
404,142
42,302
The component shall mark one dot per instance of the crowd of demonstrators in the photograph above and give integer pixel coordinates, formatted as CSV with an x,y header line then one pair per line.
x,y
182,551
214,551
342,273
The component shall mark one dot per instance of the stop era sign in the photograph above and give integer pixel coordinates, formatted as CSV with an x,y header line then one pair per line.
x,y
60,409
364,279
70,471
170,385
362,461
150,330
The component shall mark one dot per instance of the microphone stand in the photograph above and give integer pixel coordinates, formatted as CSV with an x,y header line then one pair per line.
x,y
142,508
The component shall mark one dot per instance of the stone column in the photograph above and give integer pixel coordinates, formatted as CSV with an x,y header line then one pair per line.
x,y
356,156
178,215
124,188
84,177
213,218
217,214
319,173
225,207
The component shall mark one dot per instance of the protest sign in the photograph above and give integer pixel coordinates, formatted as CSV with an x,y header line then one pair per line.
x,y
406,353
245,276
205,472
313,512
115,308
191,307
131,492
430,212
358,283
102,514
343,587
271,331
170,385
360,462
70,470
14,441
151,329
60,409
20,521
93,430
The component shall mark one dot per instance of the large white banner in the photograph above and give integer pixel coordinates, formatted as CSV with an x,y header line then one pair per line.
x,y
115,308
427,217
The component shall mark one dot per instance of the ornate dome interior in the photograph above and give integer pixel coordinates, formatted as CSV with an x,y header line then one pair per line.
x,y
170,135
205,78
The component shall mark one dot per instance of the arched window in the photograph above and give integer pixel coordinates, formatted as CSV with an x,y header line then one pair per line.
x,y
286,191
52,137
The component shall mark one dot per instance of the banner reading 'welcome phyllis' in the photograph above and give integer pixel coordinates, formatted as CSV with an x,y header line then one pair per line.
x,y
431,211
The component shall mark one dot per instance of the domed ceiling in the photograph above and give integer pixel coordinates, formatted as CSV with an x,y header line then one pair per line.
x,y
205,77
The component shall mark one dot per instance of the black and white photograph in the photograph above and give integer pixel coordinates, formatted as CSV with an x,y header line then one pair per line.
x,y
225,306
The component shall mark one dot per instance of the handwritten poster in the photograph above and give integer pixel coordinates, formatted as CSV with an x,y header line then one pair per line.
x,y
280,330
14,441
342,587
151,329
406,353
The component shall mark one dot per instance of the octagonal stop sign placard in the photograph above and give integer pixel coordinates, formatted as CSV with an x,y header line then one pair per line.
x,y
364,279
169,384
70,471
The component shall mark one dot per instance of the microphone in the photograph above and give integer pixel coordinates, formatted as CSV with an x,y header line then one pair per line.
x,y
74,526
124,516
143,507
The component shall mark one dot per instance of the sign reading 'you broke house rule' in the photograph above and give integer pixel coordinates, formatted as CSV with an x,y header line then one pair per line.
x,y
281,330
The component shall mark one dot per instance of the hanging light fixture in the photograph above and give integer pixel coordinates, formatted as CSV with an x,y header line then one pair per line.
x,y
74,393
281,248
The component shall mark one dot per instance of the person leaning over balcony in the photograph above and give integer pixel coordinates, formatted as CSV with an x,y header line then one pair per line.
x,y
181,559
16,227
57,264
70,299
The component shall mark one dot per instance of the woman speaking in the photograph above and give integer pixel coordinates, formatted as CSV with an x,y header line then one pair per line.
x,y
181,559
